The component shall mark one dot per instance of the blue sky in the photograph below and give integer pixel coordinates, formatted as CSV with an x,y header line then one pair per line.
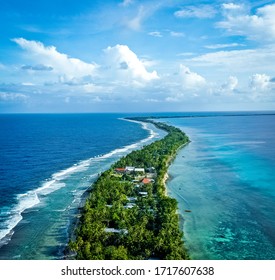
x,y
134,56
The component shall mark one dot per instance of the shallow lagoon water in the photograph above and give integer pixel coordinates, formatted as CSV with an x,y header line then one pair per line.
x,y
226,178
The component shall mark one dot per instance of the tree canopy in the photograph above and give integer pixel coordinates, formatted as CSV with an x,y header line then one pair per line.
x,y
117,222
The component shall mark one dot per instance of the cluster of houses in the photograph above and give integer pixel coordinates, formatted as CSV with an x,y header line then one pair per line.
x,y
129,170
135,171
141,176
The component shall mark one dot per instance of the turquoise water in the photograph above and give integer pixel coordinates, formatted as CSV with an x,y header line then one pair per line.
x,y
226,178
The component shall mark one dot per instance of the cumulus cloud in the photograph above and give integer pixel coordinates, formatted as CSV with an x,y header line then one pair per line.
x,y
203,11
260,82
232,7
225,91
191,80
61,63
258,26
126,62
230,85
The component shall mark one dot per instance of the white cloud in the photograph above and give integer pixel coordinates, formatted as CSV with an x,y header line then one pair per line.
x,y
261,88
231,84
232,6
59,63
186,54
126,63
126,3
203,11
222,46
168,32
93,88
177,34
259,26
13,97
260,82
135,23
226,90
153,100
191,80
171,99
28,84
239,61
155,34
143,13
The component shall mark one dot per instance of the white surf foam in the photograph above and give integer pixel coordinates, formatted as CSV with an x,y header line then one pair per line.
x,y
152,135
31,198
25,201
145,126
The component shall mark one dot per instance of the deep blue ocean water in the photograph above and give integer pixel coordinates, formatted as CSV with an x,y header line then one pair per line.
x,y
226,178
46,164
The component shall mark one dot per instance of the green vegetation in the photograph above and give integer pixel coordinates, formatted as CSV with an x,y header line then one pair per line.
x,y
126,219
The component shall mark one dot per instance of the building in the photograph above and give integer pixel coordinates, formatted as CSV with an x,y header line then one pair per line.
x,y
120,170
129,205
143,194
146,181
113,230
142,170
131,199
129,169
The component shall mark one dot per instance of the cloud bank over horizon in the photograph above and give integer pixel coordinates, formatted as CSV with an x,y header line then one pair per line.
x,y
139,62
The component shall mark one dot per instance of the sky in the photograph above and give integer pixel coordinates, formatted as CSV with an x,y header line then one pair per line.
x,y
136,56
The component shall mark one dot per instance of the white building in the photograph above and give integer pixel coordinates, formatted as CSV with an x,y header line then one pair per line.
x,y
142,170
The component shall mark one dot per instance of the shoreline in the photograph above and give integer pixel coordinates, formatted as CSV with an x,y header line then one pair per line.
x,y
165,151
169,162
75,221
46,189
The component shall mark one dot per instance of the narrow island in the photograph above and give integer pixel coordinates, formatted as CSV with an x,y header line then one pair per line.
x,y
128,215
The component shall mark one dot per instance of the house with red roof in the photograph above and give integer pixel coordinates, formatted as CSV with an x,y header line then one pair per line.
x,y
120,170
146,181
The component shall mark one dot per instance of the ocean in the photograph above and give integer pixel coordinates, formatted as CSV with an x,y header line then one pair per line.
x,y
47,162
224,180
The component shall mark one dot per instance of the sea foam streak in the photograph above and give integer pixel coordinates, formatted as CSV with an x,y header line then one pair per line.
x,y
32,198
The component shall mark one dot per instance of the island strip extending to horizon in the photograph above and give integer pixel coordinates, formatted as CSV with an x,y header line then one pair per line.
x,y
128,214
